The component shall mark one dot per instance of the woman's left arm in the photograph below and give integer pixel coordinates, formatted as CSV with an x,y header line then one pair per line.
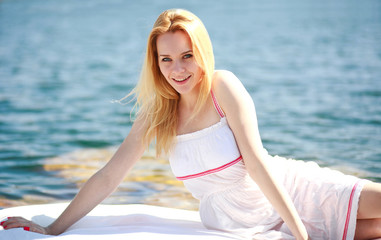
x,y
240,113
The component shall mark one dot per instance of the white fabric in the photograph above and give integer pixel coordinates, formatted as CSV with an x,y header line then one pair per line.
x,y
115,222
194,151
231,201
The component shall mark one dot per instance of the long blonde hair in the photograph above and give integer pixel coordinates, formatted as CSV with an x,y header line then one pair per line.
x,y
157,101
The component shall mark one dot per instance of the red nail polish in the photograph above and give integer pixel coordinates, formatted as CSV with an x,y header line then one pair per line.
x,y
5,227
27,228
2,223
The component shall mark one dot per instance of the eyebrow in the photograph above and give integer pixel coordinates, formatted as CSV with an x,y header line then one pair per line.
x,y
165,55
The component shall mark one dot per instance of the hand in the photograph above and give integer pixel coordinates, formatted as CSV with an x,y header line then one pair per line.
x,y
20,222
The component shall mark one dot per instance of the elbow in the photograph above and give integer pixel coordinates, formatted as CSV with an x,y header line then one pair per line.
x,y
106,180
256,166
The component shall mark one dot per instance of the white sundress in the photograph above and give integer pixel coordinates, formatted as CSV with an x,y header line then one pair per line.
x,y
212,168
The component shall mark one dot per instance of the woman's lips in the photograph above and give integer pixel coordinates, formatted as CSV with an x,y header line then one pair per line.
x,y
179,80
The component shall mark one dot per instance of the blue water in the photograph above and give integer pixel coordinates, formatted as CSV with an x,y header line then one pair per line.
x,y
313,69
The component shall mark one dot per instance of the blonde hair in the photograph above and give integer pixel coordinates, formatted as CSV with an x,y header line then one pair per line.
x,y
157,101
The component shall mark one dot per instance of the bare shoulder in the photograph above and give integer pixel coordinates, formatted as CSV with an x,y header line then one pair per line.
x,y
224,79
229,90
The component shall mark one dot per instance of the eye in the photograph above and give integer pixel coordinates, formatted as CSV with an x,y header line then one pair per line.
x,y
166,59
188,56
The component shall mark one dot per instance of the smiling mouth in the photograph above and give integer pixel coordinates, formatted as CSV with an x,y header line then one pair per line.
x,y
181,79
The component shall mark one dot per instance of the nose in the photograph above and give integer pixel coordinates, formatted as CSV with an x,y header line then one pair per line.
x,y
178,67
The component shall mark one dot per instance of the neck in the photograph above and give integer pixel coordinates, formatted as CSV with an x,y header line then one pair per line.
x,y
188,102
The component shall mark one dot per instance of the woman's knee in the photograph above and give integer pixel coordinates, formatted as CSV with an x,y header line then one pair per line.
x,y
370,201
368,229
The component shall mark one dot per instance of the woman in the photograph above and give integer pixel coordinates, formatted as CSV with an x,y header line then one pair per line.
x,y
206,121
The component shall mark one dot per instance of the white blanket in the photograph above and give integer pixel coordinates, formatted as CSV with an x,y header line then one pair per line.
x,y
114,222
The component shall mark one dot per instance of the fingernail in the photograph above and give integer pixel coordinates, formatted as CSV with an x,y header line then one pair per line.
x,y
5,227
2,223
27,228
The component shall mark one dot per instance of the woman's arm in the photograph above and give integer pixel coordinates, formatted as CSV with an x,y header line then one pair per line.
x,y
96,189
240,112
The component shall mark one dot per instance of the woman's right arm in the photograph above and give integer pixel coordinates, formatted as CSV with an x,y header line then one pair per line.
x,y
96,189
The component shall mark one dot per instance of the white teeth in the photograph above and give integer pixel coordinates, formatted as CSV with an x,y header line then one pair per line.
x,y
180,80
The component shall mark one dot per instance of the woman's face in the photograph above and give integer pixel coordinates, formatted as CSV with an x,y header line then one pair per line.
x,y
177,63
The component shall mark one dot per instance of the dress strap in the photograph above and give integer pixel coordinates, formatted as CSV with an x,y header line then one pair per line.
x,y
216,105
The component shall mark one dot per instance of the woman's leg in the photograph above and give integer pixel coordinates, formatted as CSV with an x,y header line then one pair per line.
x,y
370,201
369,212
368,229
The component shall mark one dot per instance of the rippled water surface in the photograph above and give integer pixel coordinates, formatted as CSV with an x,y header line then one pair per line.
x,y
312,68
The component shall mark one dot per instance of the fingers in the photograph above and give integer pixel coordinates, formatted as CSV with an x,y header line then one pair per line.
x,y
13,222
35,228
19,222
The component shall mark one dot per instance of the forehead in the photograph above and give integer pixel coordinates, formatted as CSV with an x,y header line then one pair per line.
x,y
172,43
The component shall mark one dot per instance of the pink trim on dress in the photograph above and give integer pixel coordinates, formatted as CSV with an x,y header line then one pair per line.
x,y
210,171
216,105
349,211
